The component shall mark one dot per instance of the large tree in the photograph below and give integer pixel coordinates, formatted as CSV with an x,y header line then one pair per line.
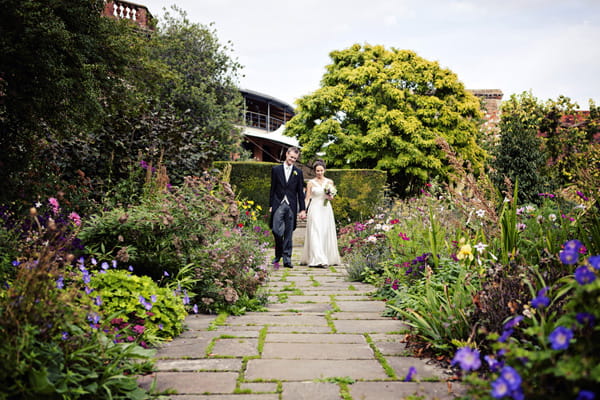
x,y
519,156
384,109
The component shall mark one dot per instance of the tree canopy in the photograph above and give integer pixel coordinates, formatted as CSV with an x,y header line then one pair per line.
x,y
384,109
84,95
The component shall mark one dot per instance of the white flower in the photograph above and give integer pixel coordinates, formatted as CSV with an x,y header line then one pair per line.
x,y
480,247
580,206
552,217
529,209
378,227
386,228
506,200
38,204
372,239
370,221
480,213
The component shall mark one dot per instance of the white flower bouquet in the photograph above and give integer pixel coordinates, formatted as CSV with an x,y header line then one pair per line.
x,y
329,190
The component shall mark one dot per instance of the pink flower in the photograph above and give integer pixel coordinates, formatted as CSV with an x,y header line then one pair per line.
x,y
54,203
75,218
139,329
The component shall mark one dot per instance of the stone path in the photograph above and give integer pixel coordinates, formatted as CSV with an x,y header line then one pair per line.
x,y
321,338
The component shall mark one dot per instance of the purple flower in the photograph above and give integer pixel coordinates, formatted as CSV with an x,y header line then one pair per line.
x,y
75,218
104,265
114,263
88,290
195,309
585,395
412,371
493,363
594,261
573,245
60,284
583,197
500,388
541,300
165,273
98,301
139,329
130,269
153,298
505,335
513,322
560,338
94,261
584,275
186,298
569,257
15,263
586,319
511,376
64,336
467,358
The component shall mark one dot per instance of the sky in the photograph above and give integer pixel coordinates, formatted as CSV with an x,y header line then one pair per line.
x,y
547,47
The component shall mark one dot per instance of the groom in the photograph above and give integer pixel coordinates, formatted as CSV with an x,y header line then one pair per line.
x,y
285,200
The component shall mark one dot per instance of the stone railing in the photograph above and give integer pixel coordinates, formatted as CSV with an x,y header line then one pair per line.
x,y
126,10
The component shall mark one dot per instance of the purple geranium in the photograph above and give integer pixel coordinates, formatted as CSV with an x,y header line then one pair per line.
x,y
467,358
594,261
541,300
511,376
560,338
584,275
586,319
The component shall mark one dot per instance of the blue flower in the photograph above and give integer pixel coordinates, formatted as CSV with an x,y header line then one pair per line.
x,y
500,388
15,263
104,265
467,358
98,301
195,309
586,319
584,275
165,273
569,257
505,335
493,363
586,395
60,284
64,335
513,322
573,245
594,261
540,301
130,269
560,338
412,371
511,376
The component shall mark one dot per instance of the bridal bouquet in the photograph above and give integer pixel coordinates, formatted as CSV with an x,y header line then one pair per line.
x,y
330,190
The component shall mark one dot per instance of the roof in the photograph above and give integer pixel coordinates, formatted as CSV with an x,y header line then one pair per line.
x,y
275,136
266,97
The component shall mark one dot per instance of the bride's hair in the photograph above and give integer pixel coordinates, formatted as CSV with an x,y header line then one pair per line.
x,y
317,163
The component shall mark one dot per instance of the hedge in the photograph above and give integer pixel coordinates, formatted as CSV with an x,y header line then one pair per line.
x,y
360,191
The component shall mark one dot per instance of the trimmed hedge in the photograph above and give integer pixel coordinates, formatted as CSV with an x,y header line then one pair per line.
x,y
360,191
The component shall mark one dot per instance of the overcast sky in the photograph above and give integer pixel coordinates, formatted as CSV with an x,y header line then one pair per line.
x,y
548,47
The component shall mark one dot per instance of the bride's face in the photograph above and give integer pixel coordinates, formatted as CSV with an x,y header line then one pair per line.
x,y
320,171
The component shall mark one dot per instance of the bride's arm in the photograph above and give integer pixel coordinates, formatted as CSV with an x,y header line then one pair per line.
x,y
308,192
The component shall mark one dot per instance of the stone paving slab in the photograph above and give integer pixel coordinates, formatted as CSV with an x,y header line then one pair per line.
x,y
266,319
302,307
310,391
362,306
184,348
259,387
198,321
392,348
313,338
316,299
211,364
299,329
425,368
238,347
300,370
191,382
253,396
357,315
318,351
367,326
400,390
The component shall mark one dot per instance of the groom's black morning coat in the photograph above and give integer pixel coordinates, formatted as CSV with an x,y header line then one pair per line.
x,y
293,189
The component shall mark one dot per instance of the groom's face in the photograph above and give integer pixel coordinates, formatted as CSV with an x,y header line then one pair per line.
x,y
291,157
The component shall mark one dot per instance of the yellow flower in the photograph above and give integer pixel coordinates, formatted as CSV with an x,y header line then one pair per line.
x,y
465,252
250,202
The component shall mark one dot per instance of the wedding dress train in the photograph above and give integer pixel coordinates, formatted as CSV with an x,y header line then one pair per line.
x,y
320,242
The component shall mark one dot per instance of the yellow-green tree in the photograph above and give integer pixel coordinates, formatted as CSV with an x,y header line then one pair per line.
x,y
383,109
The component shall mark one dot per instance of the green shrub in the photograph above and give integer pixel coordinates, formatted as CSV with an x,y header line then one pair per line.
x,y
51,346
148,313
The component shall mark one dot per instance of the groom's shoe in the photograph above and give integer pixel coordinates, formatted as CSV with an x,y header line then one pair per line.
x,y
288,266
276,260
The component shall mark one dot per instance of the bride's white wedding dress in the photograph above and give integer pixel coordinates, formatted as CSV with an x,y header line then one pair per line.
x,y
320,242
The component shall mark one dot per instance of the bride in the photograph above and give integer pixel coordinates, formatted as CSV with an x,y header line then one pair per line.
x,y
320,242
